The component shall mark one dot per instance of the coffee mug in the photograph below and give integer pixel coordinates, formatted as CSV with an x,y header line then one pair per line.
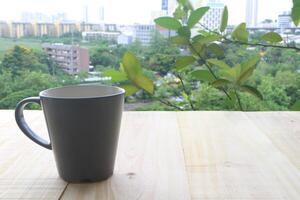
x,y
83,123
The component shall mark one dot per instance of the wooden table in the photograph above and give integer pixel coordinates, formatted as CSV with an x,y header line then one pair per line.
x,y
168,155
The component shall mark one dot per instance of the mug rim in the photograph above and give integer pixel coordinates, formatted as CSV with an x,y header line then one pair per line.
x,y
120,91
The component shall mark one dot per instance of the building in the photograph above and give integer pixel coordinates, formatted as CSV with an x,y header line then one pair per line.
x,y
85,27
143,33
41,29
124,39
212,18
251,13
66,27
284,20
168,6
97,35
4,29
21,29
71,58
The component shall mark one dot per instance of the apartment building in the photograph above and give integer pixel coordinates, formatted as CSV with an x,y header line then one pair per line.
x,y
41,29
71,58
143,33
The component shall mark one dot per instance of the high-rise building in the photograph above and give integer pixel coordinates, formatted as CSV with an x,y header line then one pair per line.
x,y
251,13
86,14
168,6
212,18
143,33
284,20
101,14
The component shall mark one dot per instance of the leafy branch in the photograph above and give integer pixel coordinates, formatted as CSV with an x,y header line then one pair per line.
x,y
204,50
227,40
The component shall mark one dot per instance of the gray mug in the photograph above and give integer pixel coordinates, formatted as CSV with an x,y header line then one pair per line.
x,y
83,124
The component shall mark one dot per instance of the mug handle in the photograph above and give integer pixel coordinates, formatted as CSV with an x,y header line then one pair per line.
x,y
24,126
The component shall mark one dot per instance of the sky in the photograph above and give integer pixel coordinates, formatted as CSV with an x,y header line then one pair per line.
x,y
127,11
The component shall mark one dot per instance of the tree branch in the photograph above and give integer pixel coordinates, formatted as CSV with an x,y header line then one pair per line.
x,y
208,67
239,100
248,43
168,103
185,90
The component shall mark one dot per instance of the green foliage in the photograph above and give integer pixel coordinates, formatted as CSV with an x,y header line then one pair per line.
x,y
203,75
117,76
168,23
179,40
21,58
296,12
196,16
134,72
272,37
184,61
224,20
240,33
296,106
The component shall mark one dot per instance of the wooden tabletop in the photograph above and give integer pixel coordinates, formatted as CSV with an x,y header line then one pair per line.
x,y
167,155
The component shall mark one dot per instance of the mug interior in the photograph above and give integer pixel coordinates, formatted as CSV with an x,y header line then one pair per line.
x,y
82,91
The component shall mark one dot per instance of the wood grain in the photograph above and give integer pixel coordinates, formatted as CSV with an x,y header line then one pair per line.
x,y
229,157
27,171
168,155
150,162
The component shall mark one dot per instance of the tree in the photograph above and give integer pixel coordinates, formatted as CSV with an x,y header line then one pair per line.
x,y
21,58
160,55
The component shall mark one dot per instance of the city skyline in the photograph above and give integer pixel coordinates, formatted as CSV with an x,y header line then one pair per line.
x,y
129,12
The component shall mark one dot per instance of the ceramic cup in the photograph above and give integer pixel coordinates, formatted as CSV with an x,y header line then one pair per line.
x,y
83,123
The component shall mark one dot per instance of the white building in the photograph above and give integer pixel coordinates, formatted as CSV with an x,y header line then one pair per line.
x,y
124,39
212,18
96,35
284,20
143,33
251,13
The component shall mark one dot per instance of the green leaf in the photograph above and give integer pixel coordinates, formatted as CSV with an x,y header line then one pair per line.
x,y
247,68
183,61
245,75
145,83
203,75
184,31
251,90
296,106
168,23
216,49
250,62
179,40
196,16
240,33
272,37
129,89
296,12
224,20
220,82
208,39
116,76
196,48
218,63
131,65
232,100
134,72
